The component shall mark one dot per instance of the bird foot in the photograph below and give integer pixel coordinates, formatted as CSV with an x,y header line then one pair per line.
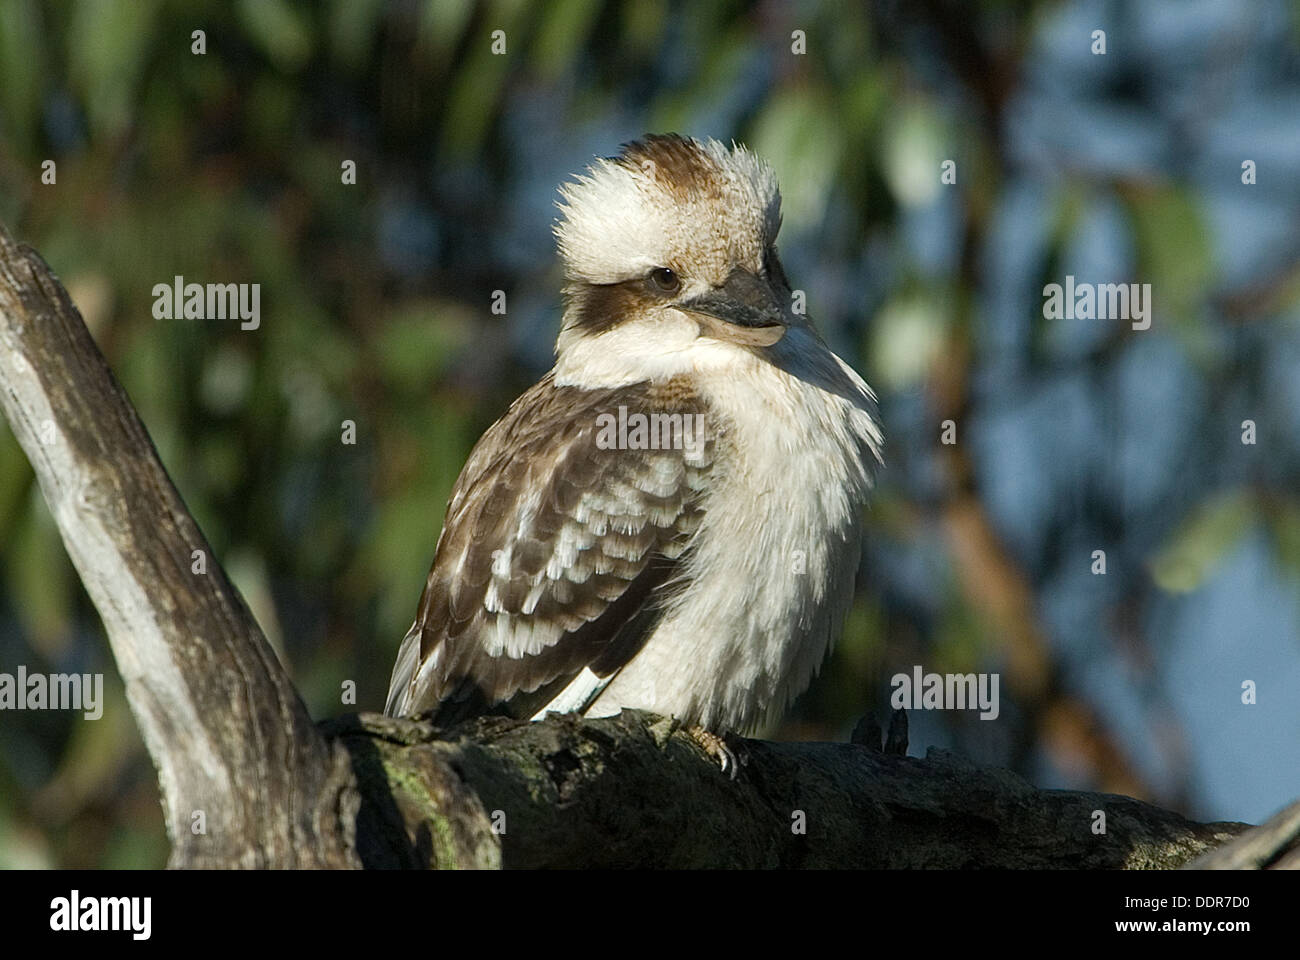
x,y
730,751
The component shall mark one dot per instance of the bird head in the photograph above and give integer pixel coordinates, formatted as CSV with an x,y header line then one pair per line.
x,y
674,234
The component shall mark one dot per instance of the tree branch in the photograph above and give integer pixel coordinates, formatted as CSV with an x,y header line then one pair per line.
x,y
236,752
1273,845
628,791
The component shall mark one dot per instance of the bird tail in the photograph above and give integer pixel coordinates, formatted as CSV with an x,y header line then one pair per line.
x,y
400,685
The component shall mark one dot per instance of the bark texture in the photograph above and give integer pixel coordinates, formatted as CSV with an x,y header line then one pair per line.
x,y
630,791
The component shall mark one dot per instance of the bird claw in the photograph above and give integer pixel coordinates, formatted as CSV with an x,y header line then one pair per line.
x,y
730,752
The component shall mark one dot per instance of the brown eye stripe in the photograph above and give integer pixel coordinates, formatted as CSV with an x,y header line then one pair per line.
x,y
597,307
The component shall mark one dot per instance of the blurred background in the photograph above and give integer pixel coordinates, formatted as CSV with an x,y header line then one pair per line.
x,y
1072,435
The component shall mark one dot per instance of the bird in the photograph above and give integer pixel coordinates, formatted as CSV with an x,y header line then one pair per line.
x,y
670,520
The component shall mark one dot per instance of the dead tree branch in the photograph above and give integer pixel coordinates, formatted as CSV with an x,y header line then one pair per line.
x,y
237,754
628,791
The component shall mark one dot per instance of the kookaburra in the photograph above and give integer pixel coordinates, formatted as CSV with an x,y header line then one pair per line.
x,y
670,520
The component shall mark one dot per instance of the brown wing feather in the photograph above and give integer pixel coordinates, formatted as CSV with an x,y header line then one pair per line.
x,y
555,553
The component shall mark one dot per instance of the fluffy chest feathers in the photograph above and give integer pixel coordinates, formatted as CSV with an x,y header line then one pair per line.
x,y
772,566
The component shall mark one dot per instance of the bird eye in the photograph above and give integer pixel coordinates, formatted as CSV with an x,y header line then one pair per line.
x,y
665,280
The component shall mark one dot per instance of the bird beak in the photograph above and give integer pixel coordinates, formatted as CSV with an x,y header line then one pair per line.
x,y
745,309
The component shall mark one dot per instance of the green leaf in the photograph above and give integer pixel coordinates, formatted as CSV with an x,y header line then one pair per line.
x,y
22,71
906,338
280,30
40,577
1201,542
419,341
798,134
563,33
1173,251
914,147
107,44
353,25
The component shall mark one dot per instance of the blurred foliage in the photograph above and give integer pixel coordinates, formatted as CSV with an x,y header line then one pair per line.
x,y
1073,435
